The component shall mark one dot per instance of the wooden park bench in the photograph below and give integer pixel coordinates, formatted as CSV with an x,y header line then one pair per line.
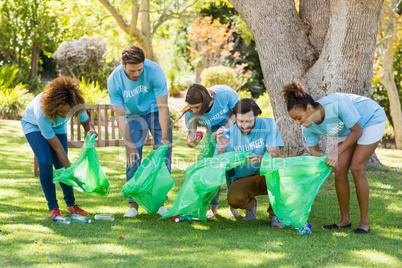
x,y
103,118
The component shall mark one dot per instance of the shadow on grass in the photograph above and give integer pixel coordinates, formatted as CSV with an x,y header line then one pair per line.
x,y
29,237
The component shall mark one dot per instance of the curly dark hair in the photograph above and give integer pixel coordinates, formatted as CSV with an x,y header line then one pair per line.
x,y
296,97
59,92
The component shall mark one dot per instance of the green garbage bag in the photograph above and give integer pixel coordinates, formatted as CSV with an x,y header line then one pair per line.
x,y
151,182
86,174
293,184
202,183
207,145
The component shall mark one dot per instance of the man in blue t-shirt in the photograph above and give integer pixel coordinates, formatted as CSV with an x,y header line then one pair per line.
x,y
256,135
139,95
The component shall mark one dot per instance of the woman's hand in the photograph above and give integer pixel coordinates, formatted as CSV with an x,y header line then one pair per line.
x,y
332,158
192,139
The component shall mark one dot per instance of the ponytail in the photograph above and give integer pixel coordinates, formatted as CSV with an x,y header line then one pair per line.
x,y
296,97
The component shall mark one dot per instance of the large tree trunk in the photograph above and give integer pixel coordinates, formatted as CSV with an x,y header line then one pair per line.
x,y
329,47
146,43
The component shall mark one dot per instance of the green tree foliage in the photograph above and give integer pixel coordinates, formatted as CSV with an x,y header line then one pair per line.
x,y
244,45
13,94
26,27
378,91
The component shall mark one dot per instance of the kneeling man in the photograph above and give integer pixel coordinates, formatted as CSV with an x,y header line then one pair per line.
x,y
256,135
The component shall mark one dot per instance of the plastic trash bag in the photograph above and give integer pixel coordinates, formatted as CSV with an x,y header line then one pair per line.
x,y
207,145
151,182
293,184
202,183
86,174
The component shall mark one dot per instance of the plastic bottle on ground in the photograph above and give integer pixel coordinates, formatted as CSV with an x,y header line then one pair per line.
x,y
184,218
305,225
63,220
175,217
79,218
304,231
104,217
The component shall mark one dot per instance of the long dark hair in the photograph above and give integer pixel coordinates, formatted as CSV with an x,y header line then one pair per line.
x,y
196,94
296,97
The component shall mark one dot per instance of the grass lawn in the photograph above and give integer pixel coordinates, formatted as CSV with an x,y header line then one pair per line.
x,y
28,237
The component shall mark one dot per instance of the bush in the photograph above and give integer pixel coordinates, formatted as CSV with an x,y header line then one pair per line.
x,y
218,75
92,93
14,95
244,94
263,102
265,105
178,81
84,58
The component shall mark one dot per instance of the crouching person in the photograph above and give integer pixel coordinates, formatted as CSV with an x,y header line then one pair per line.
x,y
256,135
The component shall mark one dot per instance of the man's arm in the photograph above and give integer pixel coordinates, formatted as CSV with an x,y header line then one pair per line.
x,y
124,128
164,118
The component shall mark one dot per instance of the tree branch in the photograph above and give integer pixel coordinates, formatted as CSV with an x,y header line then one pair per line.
x,y
117,16
100,21
134,17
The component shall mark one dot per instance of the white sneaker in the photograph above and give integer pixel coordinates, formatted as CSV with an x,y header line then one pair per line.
x,y
131,213
162,211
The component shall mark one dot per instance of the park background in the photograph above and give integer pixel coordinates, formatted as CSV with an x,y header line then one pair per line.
x,y
207,42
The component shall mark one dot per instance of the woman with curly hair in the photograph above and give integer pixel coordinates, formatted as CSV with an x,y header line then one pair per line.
x,y
45,127
359,124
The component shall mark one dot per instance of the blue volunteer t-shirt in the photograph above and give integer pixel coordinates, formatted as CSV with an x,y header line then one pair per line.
x,y
34,120
264,136
343,111
225,99
137,97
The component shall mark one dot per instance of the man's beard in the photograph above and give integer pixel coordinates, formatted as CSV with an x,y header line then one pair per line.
x,y
247,130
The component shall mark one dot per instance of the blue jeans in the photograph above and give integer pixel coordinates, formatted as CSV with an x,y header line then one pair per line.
x,y
215,201
47,158
139,126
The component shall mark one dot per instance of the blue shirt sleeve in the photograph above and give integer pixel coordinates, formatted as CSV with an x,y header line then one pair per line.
x,y
115,96
274,138
347,112
83,117
45,127
159,83
233,98
312,139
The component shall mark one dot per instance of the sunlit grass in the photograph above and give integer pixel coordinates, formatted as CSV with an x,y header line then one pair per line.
x,y
28,237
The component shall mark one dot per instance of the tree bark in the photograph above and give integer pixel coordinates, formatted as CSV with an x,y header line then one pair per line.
x,y
331,50
35,58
